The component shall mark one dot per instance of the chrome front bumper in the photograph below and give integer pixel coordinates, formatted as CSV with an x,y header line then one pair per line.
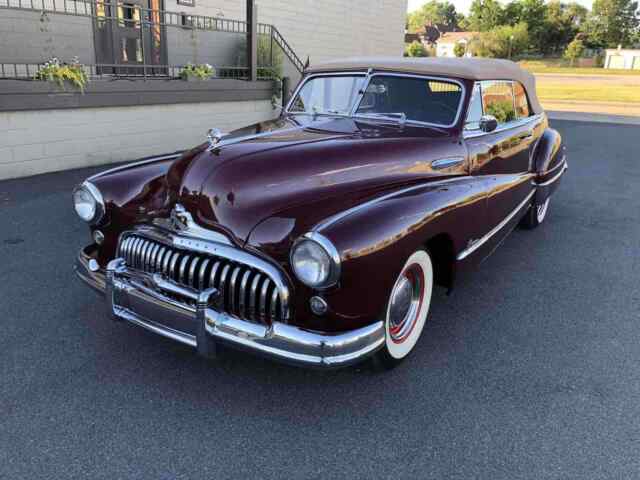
x,y
150,301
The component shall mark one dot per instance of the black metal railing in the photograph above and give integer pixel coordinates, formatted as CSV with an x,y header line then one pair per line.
x,y
145,19
24,71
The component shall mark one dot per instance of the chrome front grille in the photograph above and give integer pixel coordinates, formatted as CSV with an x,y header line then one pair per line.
x,y
245,291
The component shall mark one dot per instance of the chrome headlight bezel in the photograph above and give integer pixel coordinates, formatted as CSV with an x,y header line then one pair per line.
x,y
332,255
99,206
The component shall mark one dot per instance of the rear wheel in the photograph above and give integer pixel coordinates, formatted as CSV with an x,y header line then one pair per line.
x,y
536,214
406,310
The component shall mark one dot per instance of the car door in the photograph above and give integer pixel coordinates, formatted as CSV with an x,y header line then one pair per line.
x,y
502,158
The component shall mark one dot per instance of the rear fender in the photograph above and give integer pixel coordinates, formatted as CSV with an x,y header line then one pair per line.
x,y
549,164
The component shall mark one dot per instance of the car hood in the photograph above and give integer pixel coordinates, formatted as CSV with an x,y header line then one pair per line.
x,y
301,171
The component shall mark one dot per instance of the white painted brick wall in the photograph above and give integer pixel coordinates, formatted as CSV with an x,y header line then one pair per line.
x,y
33,142
322,29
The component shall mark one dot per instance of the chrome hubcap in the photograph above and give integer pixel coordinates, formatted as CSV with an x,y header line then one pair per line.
x,y
405,303
541,210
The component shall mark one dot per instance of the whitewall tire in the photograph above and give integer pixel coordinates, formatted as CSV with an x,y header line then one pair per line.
x,y
536,214
407,309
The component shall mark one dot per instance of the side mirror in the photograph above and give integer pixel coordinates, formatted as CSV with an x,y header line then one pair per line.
x,y
488,123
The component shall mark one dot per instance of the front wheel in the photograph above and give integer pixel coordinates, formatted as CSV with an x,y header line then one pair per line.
x,y
536,214
406,310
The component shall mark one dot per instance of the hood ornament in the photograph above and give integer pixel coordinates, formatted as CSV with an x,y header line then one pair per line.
x,y
180,219
181,222
214,135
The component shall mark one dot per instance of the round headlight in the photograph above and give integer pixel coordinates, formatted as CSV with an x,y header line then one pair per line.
x,y
315,261
88,203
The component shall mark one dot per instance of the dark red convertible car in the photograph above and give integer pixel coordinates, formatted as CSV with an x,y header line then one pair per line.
x,y
317,238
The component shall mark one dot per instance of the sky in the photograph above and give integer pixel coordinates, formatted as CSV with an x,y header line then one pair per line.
x,y
463,5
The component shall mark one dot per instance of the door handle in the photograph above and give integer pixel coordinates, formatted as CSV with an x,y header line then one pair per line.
x,y
446,162
527,135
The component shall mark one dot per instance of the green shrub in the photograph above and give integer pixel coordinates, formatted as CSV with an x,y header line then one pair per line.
x,y
415,49
503,111
201,71
59,73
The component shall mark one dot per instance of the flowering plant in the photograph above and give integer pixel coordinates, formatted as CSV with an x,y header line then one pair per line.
x,y
59,72
200,71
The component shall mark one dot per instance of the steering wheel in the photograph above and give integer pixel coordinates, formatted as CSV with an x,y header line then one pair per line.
x,y
444,106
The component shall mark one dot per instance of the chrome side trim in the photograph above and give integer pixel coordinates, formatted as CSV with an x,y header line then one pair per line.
x,y
554,178
336,218
477,244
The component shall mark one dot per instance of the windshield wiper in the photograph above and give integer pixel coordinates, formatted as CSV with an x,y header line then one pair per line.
x,y
327,113
399,118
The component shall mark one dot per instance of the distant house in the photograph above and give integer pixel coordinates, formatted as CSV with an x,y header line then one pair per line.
x,y
427,35
622,58
445,45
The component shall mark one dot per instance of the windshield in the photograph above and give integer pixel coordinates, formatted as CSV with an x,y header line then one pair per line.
x,y
389,97
419,99
328,94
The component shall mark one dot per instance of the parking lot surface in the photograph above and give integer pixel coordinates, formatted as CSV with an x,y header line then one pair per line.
x,y
529,369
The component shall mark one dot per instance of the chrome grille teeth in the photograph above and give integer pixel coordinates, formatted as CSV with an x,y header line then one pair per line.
x,y
212,276
202,275
253,297
143,254
245,292
171,273
232,289
182,275
274,303
263,300
223,286
192,272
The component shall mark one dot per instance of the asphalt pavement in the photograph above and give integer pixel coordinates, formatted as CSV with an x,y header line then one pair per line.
x,y
530,369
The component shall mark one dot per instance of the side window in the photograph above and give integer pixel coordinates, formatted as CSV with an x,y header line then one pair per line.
x,y
522,104
474,113
497,100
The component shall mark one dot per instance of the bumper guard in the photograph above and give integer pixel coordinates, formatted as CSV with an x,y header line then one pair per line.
x,y
149,301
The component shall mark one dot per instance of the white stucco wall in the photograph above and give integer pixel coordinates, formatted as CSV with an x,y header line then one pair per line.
x,y
33,142
321,29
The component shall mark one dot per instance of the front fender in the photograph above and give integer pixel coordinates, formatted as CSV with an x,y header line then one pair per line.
x,y
130,193
376,238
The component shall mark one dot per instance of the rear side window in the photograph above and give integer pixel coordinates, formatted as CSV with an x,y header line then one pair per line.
x,y
522,104
424,100
497,100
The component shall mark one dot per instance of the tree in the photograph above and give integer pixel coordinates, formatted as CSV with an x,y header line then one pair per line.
x,y
563,22
434,12
533,14
460,49
415,49
574,50
612,23
501,42
485,15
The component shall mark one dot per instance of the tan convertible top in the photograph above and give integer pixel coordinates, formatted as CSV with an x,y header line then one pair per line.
x,y
467,68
